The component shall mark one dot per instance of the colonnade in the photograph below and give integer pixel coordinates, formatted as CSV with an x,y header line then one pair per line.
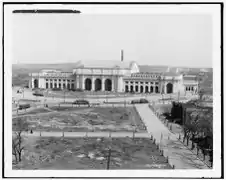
x,y
142,87
60,83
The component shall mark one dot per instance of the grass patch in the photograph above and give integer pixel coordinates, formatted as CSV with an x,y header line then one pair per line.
x,y
82,119
91,153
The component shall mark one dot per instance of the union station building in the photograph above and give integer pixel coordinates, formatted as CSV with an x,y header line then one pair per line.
x,y
116,76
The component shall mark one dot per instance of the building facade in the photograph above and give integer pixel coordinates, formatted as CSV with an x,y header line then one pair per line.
x,y
114,76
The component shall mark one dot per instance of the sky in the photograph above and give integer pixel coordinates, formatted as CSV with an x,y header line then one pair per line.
x,y
161,39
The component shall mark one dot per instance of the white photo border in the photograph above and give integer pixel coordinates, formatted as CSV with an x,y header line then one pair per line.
x,y
213,9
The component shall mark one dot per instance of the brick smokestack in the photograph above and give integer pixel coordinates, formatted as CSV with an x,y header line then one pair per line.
x,y
122,55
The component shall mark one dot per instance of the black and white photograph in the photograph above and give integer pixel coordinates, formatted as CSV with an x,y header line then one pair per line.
x,y
112,90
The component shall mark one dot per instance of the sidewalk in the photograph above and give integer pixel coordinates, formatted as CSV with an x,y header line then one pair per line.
x,y
179,155
86,134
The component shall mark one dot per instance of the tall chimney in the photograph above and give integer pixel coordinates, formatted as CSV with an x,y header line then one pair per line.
x,y
121,55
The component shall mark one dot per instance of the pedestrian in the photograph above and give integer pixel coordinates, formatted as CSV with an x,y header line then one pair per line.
x,y
31,131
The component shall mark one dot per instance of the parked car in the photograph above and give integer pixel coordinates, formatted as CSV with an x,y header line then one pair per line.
x,y
139,101
142,100
24,106
81,102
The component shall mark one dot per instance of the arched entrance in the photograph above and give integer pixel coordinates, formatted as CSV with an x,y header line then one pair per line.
x,y
108,85
169,88
131,88
146,89
88,84
36,83
151,89
156,89
47,85
68,86
141,89
97,85
126,88
72,86
136,88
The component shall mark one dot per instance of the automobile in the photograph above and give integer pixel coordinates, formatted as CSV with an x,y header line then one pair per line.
x,y
142,100
24,106
81,102
38,94
139,101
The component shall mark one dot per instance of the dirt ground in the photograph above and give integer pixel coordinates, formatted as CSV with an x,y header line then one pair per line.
x,y
92,153
72,119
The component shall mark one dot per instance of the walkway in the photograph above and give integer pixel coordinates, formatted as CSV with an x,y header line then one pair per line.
x,y
179,155
87,134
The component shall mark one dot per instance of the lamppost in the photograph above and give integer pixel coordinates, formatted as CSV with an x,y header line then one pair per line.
x,y
108,157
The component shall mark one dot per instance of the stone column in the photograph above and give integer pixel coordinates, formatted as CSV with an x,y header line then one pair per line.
x,y
165,90
102,83
93,84
129,87
83,83
112,84
77,82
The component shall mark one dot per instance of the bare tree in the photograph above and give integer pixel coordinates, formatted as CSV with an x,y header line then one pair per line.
x,y
18,145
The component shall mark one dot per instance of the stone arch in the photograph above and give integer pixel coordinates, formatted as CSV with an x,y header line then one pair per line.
x,y
151,89
136,88
126,88
156,89
131,88
36,83
97,85
72,86
146,89
169,88
141,89
88,84
108,85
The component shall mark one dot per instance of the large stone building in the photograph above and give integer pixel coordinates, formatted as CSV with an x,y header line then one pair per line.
x,y
116,76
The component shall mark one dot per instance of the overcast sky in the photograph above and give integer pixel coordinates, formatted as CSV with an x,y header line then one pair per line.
x,y
176,40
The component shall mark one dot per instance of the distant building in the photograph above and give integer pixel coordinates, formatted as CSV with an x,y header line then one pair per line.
x,y
116,76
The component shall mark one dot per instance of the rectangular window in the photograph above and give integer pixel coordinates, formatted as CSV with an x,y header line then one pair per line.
x,y
59,79
141,82
63,79
47,79
72,80
136,82
146,82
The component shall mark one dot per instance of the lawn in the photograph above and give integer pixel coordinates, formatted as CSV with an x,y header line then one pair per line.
x,y
83,119
33,111
92,153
